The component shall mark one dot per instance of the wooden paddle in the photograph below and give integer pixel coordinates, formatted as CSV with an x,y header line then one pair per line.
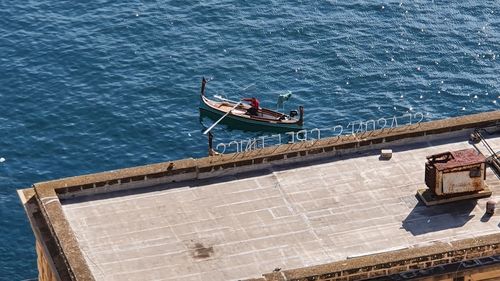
x,y
220,119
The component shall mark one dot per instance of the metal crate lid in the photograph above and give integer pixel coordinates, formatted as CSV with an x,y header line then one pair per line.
x,y
455,159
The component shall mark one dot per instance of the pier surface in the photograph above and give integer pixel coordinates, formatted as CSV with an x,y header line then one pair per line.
x,y
285,216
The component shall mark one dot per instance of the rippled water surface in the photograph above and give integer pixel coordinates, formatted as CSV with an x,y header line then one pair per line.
x,y
93,86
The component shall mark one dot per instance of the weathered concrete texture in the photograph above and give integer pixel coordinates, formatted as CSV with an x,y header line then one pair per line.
x,y
239,227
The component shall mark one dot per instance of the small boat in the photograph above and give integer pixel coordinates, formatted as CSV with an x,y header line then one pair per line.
x,y
237,115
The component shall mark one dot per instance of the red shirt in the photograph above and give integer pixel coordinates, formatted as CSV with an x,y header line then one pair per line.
x,y
253,102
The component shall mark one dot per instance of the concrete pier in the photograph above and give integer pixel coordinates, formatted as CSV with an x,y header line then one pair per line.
x,y
331,209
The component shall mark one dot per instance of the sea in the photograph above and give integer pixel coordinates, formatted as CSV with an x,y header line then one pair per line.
x,y
93,86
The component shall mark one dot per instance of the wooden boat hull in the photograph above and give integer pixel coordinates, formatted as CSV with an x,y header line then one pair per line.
x,y
247,125
266,120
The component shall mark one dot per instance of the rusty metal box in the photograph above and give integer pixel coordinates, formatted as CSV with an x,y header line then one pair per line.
x,y
455,172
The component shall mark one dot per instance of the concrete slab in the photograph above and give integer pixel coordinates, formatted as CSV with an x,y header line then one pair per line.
x,y
242,227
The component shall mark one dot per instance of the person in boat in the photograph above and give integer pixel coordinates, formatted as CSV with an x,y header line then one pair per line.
x,y
254,106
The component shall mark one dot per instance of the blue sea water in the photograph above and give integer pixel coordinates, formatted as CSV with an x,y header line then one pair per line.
x,y
92,86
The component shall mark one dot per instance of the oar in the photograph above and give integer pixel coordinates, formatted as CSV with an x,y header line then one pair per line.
x,y
217,122
224,99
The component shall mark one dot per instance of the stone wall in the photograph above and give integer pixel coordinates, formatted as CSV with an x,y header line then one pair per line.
x,y
438,262
51,261
44,269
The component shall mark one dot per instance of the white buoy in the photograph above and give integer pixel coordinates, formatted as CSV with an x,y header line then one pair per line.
x,y
2,159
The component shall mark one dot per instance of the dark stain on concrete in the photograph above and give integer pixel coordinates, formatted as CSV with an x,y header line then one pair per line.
x,y
202,252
